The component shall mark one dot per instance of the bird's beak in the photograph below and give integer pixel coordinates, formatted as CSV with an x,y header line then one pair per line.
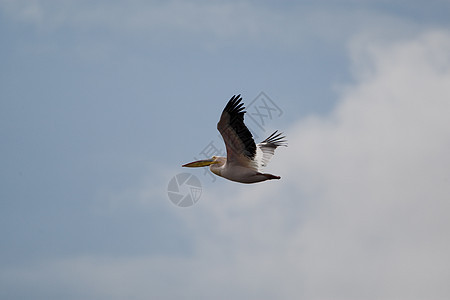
x,y
200,163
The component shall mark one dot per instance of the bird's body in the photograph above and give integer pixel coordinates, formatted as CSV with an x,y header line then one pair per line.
x,y
244,158
238,173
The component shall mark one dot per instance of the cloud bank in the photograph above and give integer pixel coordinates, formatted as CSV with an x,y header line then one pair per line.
x,y
361,211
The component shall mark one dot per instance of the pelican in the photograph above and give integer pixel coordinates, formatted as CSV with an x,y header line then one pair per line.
x,y
245,159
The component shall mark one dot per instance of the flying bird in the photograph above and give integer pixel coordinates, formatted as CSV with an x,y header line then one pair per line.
x,y
245,159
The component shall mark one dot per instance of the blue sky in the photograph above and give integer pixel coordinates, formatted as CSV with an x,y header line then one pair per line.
x,y
102,101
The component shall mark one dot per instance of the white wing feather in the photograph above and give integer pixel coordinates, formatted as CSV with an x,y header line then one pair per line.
x,y
266,149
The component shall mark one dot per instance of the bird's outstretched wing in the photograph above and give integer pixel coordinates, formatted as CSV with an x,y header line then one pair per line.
x,y
266,149
241,148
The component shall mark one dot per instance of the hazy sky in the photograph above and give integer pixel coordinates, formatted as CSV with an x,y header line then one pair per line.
x,y
101,102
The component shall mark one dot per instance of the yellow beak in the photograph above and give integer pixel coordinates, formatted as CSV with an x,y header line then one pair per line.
x,y
200,163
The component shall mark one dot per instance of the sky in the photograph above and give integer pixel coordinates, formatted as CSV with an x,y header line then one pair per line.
x,y
101,102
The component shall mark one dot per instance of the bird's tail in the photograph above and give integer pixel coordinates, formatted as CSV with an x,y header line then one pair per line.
x,y
270,176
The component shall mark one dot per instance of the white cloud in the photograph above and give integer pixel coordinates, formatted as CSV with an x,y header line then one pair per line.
x,y
378,168
361,211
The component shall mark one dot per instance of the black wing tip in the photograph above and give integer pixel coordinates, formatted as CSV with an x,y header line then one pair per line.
x,y
236,97
276,139
235,105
